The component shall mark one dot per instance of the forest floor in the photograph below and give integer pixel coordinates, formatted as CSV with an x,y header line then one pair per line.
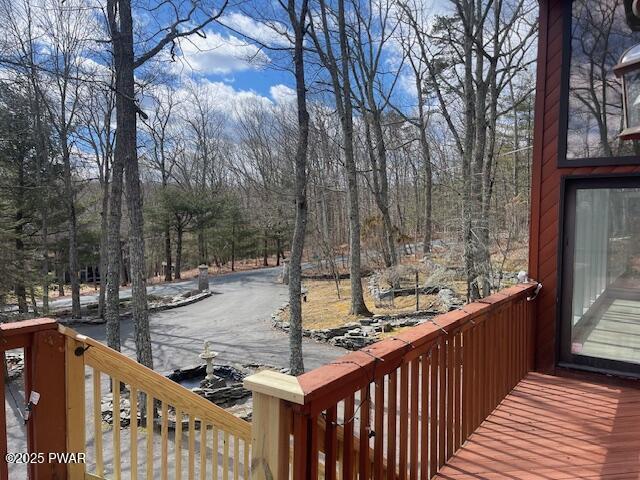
x,y
326,308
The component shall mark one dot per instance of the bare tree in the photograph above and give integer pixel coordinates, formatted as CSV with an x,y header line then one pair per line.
x,y
472,56
298,20
164,150
185,20
373,28
337,65
96,113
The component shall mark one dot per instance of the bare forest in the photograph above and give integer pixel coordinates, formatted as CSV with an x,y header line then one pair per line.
x,y
140,139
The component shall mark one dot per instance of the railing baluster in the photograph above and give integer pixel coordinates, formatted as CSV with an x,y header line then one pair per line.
x,y
203,450
365,462
225,457
164,441
214,448
391,424
192,447
404,420
330,443
245,460
149,432
97,422
115,387
442,401
4,466
415,392
424,418
378,439
178,444
133,426
236,457
347,450
457,387
450,396
433,410
464,389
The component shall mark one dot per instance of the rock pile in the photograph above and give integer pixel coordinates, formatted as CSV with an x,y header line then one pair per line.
x,y
356,335
15,364
449,299
223,396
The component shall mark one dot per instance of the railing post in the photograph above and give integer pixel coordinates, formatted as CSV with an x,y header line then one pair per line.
x,y
45,374
273,394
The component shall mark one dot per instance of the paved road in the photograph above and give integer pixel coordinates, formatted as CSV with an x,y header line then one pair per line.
x,y
162,289
236,319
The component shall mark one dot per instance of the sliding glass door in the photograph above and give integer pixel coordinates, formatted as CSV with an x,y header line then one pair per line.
x,y
601,275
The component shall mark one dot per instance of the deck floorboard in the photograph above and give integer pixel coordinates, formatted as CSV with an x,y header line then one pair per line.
x,y
555,428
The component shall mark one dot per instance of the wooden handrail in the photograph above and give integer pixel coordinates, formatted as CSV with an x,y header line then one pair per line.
x,y
129,371
150,396
409,401
328,383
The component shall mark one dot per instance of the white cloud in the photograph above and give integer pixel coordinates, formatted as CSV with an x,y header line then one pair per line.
x,y
281,94
273,34
220,54
219,96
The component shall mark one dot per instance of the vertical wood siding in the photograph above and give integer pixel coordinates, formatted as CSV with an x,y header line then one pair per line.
x,y
547,177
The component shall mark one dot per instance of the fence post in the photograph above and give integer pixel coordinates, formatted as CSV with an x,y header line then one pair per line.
x,y
271,425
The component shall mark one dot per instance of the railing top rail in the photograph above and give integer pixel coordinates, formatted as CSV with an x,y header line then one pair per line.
x,y
27,326
20,334
326,385
129,370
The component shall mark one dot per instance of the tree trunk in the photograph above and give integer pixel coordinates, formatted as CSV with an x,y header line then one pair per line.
x,y
126,149
20,289
178,274
104,235
428,172
265,252
73,230
296,362
45,261
378,157
201,253
59,275
358,307
114,247
167,252
233,247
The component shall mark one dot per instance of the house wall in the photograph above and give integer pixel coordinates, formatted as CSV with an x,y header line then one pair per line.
x,y
547,178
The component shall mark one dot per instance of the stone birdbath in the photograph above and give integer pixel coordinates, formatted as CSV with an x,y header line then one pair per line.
x,y
210,379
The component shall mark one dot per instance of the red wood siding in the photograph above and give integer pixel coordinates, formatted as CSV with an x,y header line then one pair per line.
x,y
546,180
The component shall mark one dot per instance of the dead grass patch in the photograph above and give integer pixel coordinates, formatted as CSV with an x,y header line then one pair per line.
x,y
323,308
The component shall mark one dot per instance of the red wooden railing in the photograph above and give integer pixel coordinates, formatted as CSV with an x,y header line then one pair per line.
x,y
400,408
44,373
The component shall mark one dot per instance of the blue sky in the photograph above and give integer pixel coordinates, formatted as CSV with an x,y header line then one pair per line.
x,y
227,59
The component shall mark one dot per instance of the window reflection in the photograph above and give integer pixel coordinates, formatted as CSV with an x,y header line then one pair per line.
x,y
599,37
605,320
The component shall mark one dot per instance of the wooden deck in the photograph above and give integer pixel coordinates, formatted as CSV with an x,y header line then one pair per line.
x,y
555,428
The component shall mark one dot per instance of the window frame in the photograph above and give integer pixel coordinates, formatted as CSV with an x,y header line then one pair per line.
x,y
563,161
566,249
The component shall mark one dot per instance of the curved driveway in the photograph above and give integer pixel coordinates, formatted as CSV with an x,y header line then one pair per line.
x,y
236,319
